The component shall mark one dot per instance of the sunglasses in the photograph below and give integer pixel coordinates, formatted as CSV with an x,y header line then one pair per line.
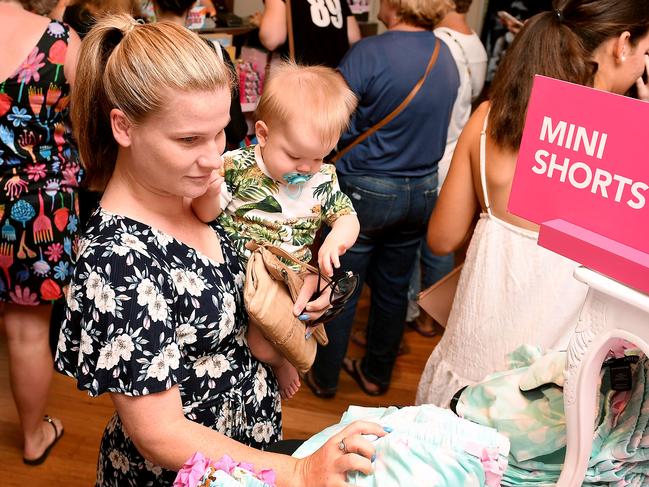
x,y
342,288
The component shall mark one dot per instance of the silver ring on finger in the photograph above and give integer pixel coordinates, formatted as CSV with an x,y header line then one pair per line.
x,y
342,447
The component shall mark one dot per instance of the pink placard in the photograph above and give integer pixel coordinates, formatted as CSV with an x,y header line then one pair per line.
x,y
584,158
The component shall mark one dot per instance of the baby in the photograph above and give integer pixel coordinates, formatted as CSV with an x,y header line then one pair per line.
x,y
279,191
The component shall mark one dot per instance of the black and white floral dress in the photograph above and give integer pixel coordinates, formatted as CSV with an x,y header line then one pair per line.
x,y
146,312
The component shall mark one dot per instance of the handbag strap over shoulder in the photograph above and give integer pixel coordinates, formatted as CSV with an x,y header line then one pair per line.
x,y
396,111
279,252
289,30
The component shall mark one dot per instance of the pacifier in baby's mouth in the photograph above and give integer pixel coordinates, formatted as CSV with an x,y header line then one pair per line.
x,y
296,177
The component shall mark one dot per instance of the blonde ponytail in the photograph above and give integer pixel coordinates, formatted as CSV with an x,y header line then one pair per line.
x,y
134,67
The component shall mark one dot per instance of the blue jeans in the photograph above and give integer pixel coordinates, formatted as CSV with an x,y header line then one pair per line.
x,y
393,214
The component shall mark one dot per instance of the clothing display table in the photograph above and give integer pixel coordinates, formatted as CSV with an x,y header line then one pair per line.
x,y
611,312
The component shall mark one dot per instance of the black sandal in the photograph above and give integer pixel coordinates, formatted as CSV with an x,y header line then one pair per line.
x,y
353,368
318,391
57,437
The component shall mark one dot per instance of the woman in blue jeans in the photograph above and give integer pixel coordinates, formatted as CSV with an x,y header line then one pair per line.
x,y
391,177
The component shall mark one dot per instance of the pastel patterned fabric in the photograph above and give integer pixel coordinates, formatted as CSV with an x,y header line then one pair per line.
x,y
256,207
145,312
534,421
39,175
427,446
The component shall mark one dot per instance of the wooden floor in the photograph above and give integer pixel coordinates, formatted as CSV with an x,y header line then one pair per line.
x,y
72,462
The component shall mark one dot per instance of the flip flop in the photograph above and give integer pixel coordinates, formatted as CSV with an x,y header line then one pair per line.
x,y
318,391
352,367
359,337
43,457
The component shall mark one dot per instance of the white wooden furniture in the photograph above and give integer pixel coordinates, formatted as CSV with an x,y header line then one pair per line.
x,y
612,311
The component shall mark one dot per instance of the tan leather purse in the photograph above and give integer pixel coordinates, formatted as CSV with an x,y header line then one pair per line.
x,y
269,294
437,300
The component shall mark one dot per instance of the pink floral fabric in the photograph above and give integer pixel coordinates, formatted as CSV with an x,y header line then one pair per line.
x,y
200,471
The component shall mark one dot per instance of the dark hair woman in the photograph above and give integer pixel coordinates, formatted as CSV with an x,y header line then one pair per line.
x,y
531,296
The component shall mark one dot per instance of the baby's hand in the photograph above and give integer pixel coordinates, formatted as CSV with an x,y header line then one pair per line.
x,y
255,19
329,256
216,180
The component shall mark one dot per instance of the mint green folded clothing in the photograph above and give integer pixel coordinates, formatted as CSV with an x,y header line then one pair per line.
x,y
525,404
426,446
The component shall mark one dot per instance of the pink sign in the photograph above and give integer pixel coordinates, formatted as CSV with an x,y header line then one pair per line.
x,y
584,164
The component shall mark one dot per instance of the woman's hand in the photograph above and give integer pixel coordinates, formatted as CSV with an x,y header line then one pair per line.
x,y
643,88
311,310
255,19
349,450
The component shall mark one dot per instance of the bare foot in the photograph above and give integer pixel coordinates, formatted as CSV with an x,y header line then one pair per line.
x,y
42,438
288,378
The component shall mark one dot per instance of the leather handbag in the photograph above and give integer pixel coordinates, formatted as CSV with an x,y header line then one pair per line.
x,y
269,293
437,300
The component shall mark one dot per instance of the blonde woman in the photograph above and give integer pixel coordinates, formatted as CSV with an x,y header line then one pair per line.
x,y
39,218
155,316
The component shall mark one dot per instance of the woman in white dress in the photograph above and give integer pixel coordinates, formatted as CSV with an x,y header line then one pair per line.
x,y
512,291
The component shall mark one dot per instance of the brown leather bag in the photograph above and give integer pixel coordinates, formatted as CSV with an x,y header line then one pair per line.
x,y
269,294
437,300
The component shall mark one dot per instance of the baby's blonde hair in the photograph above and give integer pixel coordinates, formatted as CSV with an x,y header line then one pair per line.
x,y
317,91
134,67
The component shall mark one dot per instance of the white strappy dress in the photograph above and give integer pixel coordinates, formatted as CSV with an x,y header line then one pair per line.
x,y
511,292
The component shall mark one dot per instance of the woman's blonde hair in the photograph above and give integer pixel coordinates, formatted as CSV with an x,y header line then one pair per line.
x,y
317,91
421,13
135,68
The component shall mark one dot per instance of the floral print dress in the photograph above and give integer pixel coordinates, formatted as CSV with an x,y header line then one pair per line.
x,y
146,312
39,175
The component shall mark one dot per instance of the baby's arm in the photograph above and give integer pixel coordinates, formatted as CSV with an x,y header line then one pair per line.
x,y
344,233
208,206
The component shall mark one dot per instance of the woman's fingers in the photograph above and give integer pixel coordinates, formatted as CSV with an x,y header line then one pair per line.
x,y
358,445
319,305
363,428
353,462
643,88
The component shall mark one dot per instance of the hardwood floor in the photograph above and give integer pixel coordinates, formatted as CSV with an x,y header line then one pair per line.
x,y
72,462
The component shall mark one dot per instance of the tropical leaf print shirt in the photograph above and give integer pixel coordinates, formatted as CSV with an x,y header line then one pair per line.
x,y
256,207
